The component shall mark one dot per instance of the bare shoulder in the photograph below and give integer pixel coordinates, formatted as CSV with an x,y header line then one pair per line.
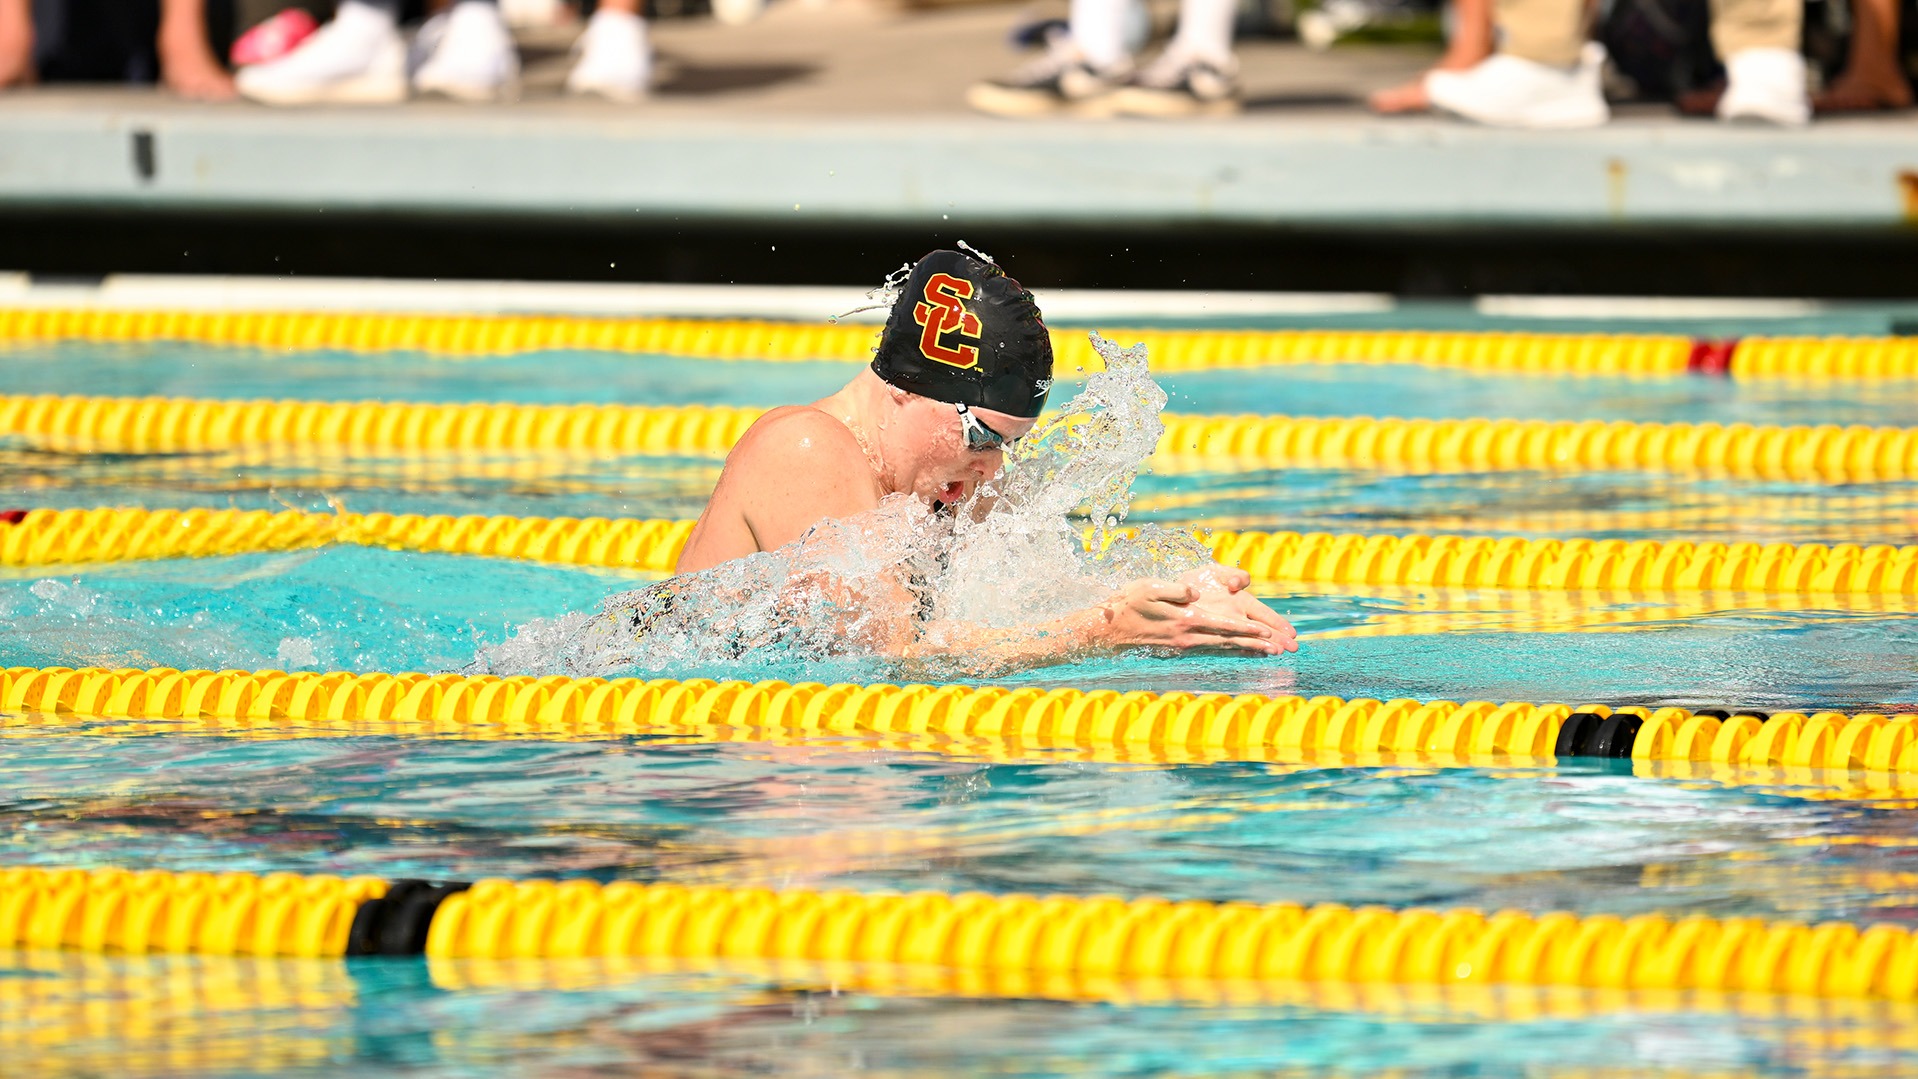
x,y
795,433
792,468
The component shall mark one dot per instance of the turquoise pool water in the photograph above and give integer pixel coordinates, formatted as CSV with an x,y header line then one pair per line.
x,y
1583,836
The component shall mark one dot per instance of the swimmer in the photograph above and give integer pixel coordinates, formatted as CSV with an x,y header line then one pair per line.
x,y
962,370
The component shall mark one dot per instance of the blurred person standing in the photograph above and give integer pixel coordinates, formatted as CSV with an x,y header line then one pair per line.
x,y
1088,70
467,54
111,41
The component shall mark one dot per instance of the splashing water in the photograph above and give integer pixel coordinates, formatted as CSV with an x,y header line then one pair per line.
x,y
1013,556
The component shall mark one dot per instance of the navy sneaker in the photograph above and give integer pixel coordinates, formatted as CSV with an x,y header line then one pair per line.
x,y
1061,81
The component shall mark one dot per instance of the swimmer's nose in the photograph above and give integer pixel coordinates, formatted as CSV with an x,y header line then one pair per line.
x,y
988,462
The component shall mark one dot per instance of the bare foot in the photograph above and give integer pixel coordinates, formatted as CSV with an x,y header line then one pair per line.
x,y
188,68
1408,97
1864,91
1467,51
1700,102
16,45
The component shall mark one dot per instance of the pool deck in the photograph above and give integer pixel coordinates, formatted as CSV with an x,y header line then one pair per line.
x,y
851,113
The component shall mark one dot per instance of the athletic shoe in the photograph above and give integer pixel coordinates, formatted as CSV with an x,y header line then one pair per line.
x,y
614,60
357,59
475,59
1175,85
1061,81
1509,91
1767,85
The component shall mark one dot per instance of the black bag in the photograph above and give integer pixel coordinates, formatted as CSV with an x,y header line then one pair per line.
x,y
1663,46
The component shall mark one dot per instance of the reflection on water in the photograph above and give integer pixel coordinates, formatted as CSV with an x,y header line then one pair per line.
x,y
1596,505
178,369
529,484
1586,837
68,1015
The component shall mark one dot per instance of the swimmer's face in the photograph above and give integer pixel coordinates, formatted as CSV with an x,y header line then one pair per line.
x,y
934,448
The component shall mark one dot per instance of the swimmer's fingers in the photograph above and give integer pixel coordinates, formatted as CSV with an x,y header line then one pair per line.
x,y
1282,631
1211,630
1234,579
1178,592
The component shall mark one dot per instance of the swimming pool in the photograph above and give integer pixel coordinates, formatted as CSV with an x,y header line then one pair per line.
x,y
805,807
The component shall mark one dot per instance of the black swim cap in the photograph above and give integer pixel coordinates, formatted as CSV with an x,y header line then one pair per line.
x,y
964,332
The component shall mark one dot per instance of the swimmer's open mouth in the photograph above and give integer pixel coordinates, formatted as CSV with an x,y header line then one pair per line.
x,y
952,492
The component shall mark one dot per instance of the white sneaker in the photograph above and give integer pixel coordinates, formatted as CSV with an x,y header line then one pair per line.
x,y
1508,91
614,59
356,59
474,59
1768,85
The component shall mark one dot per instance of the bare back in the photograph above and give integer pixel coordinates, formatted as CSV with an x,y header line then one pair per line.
x,y
794,467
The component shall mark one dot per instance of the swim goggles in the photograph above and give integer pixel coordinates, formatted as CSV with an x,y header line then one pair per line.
x,y
979,437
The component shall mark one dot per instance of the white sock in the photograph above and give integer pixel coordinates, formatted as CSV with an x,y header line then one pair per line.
x,y
1098,29
1205,30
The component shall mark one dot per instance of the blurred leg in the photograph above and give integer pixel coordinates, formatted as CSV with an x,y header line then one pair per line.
x,y
1871,79
1549,32
1470,43
1205,31
16,43
1739,25
1764,71
1098,30
475,59
615,57
187,64
1196,74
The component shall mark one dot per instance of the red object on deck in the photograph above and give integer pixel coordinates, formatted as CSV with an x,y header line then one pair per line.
x,y
13,517
1711,357
274,38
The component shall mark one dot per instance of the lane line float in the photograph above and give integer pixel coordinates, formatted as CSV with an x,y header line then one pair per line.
x,y
78,537
1824,453
974,933
1172,350
1286,729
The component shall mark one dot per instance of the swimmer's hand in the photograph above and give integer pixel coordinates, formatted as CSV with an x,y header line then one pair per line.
x,y
1206,608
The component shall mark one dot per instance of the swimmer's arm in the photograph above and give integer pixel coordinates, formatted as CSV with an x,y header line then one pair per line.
x,y
1076,636
1179,615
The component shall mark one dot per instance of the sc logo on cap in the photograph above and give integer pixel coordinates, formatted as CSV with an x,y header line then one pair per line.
x,y
941,313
